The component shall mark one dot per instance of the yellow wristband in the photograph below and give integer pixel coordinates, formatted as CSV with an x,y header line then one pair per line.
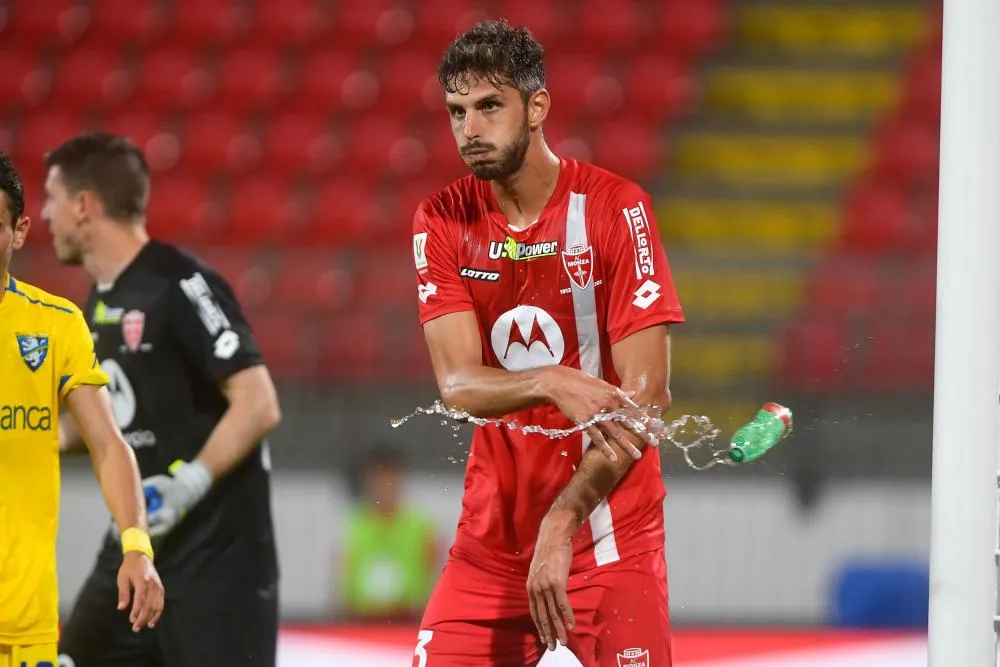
x,y
135,539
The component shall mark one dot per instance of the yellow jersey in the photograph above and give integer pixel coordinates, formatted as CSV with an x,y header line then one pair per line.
x,y
46,351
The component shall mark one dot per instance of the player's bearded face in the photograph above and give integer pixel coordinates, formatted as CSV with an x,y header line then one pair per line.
x,y
502,160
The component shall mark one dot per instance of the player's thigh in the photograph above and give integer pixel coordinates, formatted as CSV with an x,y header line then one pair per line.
x,y
476,618
97,634
231,630
622,614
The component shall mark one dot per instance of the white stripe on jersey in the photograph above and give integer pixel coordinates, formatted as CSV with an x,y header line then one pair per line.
x,y
589,338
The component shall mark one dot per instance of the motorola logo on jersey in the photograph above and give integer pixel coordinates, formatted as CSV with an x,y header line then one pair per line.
x,y
122,394
25,418
479,274
527,337
511,249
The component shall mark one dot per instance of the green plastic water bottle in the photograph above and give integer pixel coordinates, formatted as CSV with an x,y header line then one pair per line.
x,y
772,423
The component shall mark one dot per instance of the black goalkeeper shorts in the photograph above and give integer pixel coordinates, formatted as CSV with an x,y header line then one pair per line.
x,y
232,630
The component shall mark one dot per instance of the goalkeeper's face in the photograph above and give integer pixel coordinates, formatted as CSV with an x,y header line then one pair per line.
x,y
491,127
65,216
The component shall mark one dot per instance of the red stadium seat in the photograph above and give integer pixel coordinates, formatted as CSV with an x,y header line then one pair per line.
x,y
357,23
899,356
568,77
216,141
91,78
324,76
41,131
843,283
658,86
353,348
297,22
628,147
547,21
210,22
312,281
115,22
25,79
922,87
910,295
605,25
287,339
812,354
302,143
370,140
875,219
438,22
44,22
183,209
263,209
343,212
691,29
386,281
38,265
252,79
406,77
139,127
906,151
416,361
170,78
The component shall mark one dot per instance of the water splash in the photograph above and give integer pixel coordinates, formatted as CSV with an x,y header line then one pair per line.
x,y
687,432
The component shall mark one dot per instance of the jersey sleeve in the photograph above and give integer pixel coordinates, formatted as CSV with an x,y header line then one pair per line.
x,y
641,289
78,363
209,328
440,289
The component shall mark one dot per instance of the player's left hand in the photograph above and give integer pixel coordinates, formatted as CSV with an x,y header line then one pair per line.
x,y
169,497
547,579
139,581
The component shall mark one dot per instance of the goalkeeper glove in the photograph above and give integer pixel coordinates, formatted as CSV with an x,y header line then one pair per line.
x,y
169,497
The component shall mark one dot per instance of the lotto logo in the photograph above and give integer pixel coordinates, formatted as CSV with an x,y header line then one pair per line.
x,y
646,295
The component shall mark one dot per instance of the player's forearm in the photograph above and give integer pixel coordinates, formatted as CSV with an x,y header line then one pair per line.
x,y
597,476
492,392
253,413
118,474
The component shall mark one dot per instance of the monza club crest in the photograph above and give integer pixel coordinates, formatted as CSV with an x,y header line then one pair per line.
x,y
133,323
633,657
34,349
579,264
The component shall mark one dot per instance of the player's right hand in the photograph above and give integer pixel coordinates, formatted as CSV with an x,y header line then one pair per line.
x,y
139,581
581,397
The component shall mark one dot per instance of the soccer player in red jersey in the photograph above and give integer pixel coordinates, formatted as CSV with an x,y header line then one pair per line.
x,y
545,295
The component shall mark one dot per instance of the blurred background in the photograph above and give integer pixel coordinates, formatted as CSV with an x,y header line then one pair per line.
x,y
791,148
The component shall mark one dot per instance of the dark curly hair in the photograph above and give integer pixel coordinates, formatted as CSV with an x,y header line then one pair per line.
x,y
10,185
495,52
111,166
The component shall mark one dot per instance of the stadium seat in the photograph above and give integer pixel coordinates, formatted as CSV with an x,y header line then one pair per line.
x,y
214,22
875,218
356,23
385,281
245,271
610,25
370,140
691,29
812,353
41,131
137,126
287,339
567,78
218,141
323,76
342,211
91,78
252,78
25,80
900,356
906,151
352,348
47,22
299,22
628,147
921,99
183,209
843,284
302,143
658,86
265,210
438,22
171,78
311,281
406,75
114,22
546,20
39,266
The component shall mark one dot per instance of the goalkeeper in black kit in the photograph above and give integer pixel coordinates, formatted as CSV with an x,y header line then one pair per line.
x,y
193,398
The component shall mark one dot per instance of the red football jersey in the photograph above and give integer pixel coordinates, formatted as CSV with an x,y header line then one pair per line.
x,y
588,273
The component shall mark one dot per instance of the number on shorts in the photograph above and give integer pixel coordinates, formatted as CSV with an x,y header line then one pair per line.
x,y
423,639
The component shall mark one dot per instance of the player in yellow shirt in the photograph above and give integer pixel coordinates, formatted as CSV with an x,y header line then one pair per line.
x,y
46,361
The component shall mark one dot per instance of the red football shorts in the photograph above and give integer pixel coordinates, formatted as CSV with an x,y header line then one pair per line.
x,y
475,617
